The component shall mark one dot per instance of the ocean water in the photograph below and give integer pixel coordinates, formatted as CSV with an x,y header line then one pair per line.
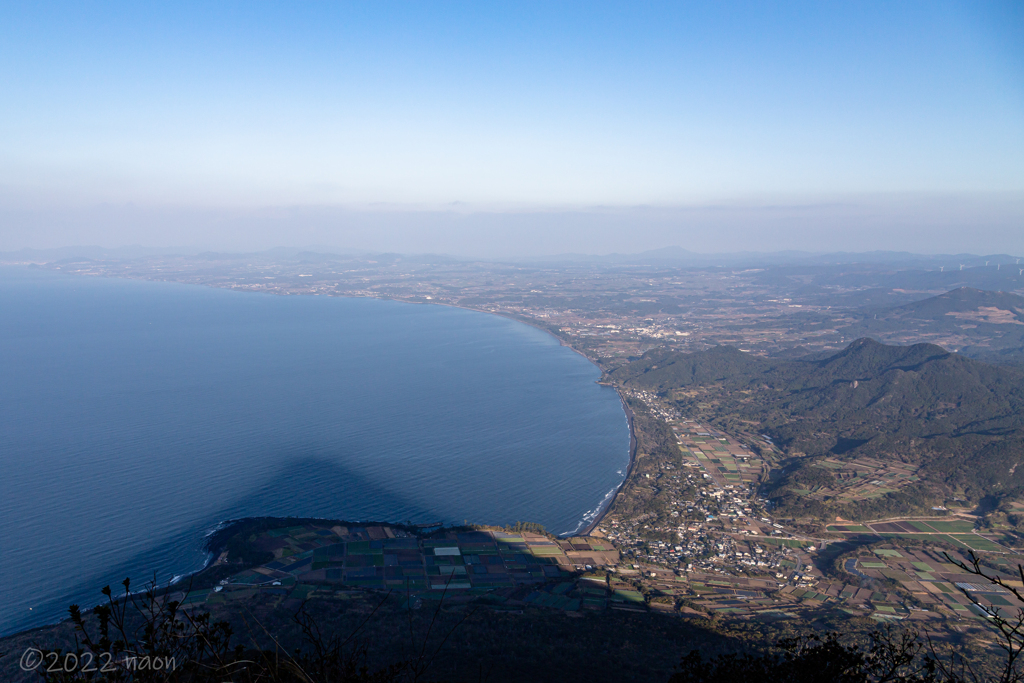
x,y
135,416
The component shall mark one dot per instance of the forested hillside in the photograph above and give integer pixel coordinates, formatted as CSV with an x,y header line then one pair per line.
x,y
960,421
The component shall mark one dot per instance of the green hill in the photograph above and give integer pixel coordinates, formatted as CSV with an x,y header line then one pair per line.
x,y
962,300
960,421
977,323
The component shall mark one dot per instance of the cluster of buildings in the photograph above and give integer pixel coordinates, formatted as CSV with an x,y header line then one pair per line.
x,y
657,407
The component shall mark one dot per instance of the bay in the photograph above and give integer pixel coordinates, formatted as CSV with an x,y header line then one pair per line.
x,y
136,416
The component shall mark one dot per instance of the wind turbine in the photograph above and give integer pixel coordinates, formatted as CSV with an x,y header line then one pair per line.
x,y
961,266
942,269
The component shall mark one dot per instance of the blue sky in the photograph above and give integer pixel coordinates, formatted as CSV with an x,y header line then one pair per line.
x,y
145,114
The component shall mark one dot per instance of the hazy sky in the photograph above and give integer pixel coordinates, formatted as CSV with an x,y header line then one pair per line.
x,y
495,128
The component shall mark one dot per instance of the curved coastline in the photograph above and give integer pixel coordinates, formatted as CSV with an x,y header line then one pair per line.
x,y
607,504
629,470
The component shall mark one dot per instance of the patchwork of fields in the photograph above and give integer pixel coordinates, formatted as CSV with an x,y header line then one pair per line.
x,y
957,532
936,583
721,457
311,561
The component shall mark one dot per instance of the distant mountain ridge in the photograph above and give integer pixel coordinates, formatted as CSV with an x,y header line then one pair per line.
x,y
669,256
959,420
676,256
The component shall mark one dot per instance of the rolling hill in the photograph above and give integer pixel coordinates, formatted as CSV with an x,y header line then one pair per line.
x,y
965,300
977,323
958,422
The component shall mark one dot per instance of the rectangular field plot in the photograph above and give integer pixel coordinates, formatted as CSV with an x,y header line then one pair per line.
x,y
954,540
978,543
955,526
936,538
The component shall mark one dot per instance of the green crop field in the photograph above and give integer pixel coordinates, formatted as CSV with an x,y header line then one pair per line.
x,y
952,527
978,543
546,550
631,596
936,538
955,541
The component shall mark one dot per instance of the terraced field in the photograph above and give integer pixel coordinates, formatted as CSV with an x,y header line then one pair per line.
x,y
861,479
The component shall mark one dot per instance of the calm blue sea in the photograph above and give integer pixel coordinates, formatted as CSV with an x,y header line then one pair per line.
x,y
135,416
